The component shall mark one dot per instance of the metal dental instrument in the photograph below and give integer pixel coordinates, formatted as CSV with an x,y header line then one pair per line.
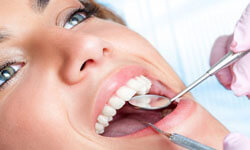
x,y
182,140
160,102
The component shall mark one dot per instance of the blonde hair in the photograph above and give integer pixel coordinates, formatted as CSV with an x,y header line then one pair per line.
x,y
105,13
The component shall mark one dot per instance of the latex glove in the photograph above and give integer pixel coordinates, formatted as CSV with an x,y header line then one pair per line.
x,y
235,141
237,76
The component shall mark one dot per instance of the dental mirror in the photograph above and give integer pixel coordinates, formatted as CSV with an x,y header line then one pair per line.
x,y
154,102
150,102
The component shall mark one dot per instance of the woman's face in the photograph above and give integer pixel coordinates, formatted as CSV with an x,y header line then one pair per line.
x,y
59,70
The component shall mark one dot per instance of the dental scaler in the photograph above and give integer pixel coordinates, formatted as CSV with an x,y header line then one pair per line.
x,y
182,140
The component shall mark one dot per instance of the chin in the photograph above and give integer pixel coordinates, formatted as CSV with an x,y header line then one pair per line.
x,y
117,122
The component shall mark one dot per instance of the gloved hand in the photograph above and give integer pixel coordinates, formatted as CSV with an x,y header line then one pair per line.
x,y
237,76
235,141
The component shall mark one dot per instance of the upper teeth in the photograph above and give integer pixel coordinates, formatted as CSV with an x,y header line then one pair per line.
x,y
138,85
125,93
116,102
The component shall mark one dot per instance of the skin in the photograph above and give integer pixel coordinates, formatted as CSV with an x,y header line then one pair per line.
x,y
49,104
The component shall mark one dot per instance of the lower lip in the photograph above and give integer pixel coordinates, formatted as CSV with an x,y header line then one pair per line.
x,y
184,110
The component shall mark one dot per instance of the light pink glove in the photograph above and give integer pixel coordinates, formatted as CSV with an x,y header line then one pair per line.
x,y
235,141
237,76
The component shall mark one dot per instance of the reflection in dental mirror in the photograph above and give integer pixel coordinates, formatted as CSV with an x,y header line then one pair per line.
x,y
149,102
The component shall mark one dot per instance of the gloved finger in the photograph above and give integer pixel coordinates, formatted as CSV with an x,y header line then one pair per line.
x,y
235,141
241,77
220,48
241,37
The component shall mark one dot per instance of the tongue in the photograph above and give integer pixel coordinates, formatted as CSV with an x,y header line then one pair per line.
x,y
129,120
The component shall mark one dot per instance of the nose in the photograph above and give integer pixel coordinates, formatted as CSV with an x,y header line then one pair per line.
x,y
81,52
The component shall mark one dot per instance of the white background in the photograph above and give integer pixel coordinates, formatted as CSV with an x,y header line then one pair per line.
x,y
184,31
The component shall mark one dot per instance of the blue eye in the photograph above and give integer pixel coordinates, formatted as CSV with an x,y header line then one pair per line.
x,y
75,19
80,15
7,72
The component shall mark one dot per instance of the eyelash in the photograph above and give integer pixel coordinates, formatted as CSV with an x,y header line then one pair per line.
x,y
89,10
7,64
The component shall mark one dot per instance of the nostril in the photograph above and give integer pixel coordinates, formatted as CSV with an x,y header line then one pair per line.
x,y
106,51
85,64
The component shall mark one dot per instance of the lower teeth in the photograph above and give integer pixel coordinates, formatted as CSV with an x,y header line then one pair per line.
x,y
129,120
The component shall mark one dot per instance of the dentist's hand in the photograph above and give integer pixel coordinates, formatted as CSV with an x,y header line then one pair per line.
x,y
235,141
237,76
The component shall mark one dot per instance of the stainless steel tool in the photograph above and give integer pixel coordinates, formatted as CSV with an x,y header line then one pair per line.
x,y
182,140
159,102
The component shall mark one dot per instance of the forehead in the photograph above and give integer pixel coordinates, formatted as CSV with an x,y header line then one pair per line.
x,y
18,17
12,4
35,5
7,4
11,12
14,11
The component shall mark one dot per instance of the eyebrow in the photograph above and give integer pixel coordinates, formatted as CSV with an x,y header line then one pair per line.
x,y
3,35
39,5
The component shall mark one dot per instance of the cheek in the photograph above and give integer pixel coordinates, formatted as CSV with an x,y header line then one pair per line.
x,y
27,117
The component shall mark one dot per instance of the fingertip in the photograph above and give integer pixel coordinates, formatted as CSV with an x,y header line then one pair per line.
x,y
236,141
225,78
233,46
230,141
232,137
219,48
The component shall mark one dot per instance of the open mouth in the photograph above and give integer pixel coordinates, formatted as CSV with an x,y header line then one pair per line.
x,y
118,118
129,120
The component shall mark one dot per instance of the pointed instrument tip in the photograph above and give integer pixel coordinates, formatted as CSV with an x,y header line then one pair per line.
x,y
159,130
